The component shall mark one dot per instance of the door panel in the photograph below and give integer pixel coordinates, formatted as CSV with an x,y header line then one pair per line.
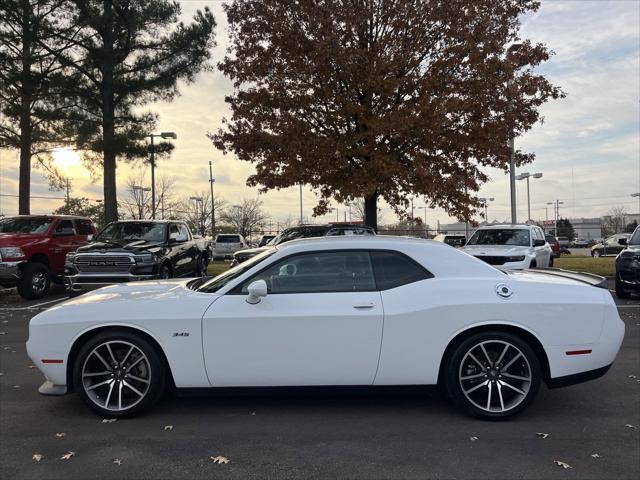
x,y
293,339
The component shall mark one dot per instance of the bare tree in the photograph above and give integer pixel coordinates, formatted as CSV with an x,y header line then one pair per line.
x,y
197,213
614,221
246,217
137,201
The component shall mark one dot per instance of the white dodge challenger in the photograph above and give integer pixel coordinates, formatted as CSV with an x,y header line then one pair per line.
x,y
368,311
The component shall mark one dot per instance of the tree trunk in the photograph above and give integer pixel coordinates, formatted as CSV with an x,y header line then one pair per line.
x,y
108,119
24,188
371,211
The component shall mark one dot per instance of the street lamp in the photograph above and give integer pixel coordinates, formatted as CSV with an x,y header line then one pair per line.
x,y
523,176
485,204
213,204
512,162
199,214
153,167
556,208
139,200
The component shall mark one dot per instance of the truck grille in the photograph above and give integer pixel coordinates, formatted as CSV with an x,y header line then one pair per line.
x,y
103,263
492,260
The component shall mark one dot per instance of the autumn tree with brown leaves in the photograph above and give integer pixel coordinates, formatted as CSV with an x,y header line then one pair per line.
x,y
380,98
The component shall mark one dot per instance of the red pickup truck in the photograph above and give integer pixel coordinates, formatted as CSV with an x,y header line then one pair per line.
x,y
33,249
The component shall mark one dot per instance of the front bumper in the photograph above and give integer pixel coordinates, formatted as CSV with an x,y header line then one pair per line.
x,y
11,272
628,274
82,282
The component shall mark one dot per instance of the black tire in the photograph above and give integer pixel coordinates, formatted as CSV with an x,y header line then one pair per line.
x,y
533,264
35,281
454,369
620,291
596,253
551,261
152,363
201,268
165,272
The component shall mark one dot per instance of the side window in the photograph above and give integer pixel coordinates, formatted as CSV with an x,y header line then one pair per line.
x,y
173,230
64,225
339,271
184,230
393,269
84,227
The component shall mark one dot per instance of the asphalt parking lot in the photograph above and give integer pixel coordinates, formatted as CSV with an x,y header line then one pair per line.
x,y
592,427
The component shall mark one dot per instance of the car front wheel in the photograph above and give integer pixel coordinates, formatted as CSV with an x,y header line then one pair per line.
x,y
119,374
595,253
492,375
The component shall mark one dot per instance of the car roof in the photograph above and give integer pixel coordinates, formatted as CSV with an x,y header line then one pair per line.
x,y
44,215
506,226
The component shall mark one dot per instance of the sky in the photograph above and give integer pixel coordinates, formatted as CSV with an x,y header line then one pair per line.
x,y
587,148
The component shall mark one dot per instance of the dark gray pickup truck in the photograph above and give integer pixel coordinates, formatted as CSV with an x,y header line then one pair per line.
x,y
134,250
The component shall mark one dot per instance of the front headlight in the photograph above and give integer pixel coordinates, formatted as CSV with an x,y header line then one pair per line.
x,y
11,253
145,259
68,258
518,258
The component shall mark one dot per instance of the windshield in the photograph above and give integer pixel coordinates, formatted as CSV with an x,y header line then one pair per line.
x,y
132,231
300,232
635,238
507,236
228,239
221,280
25,225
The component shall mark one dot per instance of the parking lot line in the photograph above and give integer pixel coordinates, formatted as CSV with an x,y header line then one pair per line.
x,y
37,305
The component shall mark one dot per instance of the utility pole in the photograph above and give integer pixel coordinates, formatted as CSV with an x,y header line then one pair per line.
x,y
556,208
301,204
512,160
213,203
68,190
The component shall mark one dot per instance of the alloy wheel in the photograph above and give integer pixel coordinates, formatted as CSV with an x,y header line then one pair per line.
x,y
495,376
38,283
116,375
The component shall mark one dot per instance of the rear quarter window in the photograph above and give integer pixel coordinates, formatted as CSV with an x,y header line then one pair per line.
x,y
394,269
228,239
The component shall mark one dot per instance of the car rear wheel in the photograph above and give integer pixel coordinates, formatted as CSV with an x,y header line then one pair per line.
x,y
119,374
595,253
165,272
35,282
492,375
551,261
201,269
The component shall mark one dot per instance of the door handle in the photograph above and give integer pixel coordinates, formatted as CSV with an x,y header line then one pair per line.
x,y
361,306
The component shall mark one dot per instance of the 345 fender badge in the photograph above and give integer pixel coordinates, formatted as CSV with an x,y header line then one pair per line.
x,y
503,290
180,334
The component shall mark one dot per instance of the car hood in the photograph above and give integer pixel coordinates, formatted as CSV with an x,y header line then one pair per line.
x,y
20,239
138,246
251,251
499,250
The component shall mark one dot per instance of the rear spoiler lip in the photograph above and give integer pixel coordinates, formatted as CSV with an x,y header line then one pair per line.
x,y
583,277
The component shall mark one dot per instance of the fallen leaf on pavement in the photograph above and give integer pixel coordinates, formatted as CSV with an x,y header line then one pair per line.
x,y
562,464
3,333
473,439
117,461
67,455
595,455
109,420
631,376
16,386
168,427
253,414
628,425
37,457
542,435
1,374
60,435
32,366
220,459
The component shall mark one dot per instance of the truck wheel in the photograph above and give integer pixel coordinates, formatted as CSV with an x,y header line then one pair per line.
x,y
35,282
201,268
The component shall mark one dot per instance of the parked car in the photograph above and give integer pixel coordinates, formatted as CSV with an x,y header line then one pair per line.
x,y
610,245
134,250
33,249
226,244
628,266
510,246
265,239
451,239
311,312
563,241
305,231
555,247
580,243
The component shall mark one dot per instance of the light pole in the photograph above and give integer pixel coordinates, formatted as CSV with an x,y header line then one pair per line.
x,y
301,204
523,176
512,161
153,167
485,204
556,208
213,202
426,227
200,213
139,200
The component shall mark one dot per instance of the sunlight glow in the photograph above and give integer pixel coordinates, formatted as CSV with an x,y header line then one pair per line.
x,y
67,160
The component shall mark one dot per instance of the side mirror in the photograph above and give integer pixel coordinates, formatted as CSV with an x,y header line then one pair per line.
x,y
90,237
257,290
623,241
539,243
